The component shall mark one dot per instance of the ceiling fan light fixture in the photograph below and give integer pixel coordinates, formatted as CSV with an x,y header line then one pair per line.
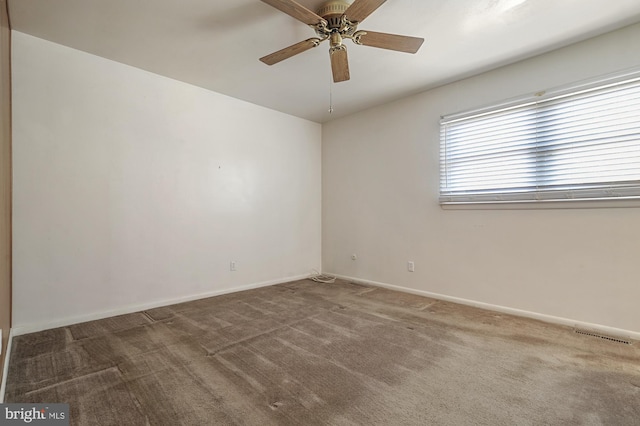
x,y
335,39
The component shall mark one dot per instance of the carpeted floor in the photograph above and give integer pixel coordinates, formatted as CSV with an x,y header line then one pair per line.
x,y
304,353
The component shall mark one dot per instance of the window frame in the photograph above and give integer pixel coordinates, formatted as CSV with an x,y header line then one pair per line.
x,y
511,200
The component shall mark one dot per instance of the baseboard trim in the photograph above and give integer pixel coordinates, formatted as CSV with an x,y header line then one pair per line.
x,y
5,367
611,331
32,328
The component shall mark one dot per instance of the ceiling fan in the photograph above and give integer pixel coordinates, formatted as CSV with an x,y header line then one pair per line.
x,y
335,21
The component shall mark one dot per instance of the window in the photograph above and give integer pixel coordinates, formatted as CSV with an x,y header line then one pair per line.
x,y
577,143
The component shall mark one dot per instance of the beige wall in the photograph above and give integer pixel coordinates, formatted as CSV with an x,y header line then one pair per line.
x,y
380,172
5,179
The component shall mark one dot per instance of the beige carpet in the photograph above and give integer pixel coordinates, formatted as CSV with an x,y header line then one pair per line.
x,y
304,353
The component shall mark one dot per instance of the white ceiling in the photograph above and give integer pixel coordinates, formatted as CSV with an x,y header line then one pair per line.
x,y
216,44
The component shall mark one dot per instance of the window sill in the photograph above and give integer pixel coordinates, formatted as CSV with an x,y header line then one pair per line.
x,y
542,205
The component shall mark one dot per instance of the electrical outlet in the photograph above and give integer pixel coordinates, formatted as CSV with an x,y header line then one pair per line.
x,y
354,257
411,267
232,265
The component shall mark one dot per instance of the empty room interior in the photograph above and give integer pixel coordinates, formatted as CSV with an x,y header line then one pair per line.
x,y
308,212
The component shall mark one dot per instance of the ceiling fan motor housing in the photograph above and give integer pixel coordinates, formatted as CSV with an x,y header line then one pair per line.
x,y
332,12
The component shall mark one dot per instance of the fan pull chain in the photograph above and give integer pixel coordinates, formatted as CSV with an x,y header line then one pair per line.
x,y
330,95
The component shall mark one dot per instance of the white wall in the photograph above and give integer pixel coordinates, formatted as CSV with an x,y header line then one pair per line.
x,y
132,189
380,183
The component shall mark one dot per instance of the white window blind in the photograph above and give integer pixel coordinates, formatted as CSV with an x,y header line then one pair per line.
x,y
581,143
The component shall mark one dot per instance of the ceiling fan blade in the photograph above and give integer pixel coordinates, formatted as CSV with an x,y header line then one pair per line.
x,y
339,64
290,51
389,41
360,9
295,10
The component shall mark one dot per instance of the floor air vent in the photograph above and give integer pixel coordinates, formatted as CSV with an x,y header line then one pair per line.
x,y
602,336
